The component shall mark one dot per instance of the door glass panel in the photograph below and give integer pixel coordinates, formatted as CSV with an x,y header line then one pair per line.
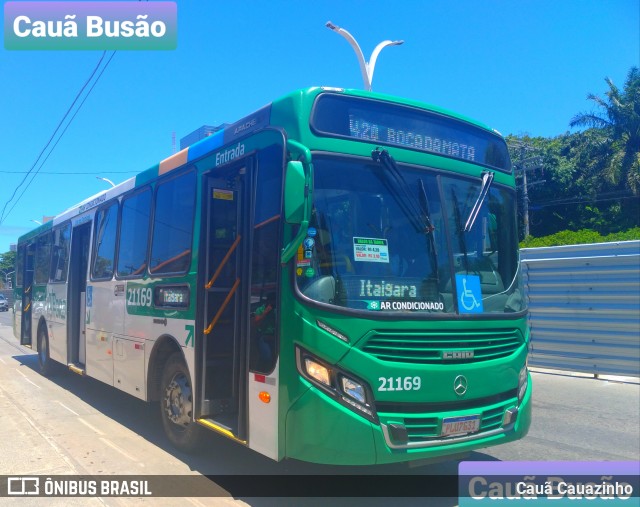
x,y
265,261
225,245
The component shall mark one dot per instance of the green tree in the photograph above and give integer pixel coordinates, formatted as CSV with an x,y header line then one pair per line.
x,y
7,265
619,121
568,191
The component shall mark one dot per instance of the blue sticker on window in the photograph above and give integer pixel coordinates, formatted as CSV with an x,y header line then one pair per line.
x,y
469,294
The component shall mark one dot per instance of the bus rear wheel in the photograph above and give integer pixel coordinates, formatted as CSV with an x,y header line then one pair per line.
x,y
176,405
44,360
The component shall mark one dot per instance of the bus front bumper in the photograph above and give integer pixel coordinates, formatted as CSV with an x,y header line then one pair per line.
x,y
319,430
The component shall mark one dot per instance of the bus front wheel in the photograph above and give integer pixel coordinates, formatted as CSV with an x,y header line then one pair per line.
x,y
176,405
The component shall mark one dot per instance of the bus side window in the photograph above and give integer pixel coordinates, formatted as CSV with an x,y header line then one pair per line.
x,y
134,234
43,257
173,225
105,242
60,253
19,265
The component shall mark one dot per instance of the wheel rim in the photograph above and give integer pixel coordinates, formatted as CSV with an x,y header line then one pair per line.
x,y
42,350
178,400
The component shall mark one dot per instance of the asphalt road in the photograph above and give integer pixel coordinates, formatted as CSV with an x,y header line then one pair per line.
x,y
71,425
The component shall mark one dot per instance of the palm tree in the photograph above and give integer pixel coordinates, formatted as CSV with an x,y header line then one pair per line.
x,y
619,121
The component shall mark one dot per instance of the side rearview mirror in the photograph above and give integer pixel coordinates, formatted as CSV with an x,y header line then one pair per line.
x,y
294,192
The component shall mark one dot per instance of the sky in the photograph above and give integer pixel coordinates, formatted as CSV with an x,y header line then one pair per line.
x,y
519,66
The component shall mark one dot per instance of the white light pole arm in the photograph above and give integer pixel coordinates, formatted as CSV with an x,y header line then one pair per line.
x,y
361,61
374,56
366,68
106,180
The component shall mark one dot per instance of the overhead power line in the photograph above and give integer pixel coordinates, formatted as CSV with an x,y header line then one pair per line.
x,y
4,215
581,200
67,173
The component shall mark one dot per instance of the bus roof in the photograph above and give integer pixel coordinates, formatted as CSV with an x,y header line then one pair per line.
x,y
299,101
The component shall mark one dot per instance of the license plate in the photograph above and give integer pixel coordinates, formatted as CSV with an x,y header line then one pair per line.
x,y
460,425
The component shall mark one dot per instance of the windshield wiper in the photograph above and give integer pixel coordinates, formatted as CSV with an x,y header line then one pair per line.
x,y
462,244
487,179
421,210
424,205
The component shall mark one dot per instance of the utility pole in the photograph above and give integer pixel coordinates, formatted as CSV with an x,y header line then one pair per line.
x,y
524,165
525,195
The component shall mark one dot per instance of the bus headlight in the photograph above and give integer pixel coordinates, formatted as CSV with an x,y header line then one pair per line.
x,y
523,382
316,371
340,385
352,389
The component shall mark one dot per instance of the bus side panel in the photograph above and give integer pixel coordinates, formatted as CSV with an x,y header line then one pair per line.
x,y
38,304
56,313
104,318
146,329
128,366
263,416
17,312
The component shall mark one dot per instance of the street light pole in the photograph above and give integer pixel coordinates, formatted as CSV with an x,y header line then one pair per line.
x,y
366,68
107,180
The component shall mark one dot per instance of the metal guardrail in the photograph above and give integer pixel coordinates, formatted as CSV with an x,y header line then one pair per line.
x,y
584,303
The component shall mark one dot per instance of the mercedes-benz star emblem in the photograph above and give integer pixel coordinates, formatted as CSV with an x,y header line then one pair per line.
x,y
460,385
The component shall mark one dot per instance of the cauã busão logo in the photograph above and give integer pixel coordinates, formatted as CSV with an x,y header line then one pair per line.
x,y
90,25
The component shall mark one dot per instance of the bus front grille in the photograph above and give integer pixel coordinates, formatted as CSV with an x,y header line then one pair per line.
x,y
423,427
443,347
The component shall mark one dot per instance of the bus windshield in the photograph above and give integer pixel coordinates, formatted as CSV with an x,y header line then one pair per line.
x,y
386,242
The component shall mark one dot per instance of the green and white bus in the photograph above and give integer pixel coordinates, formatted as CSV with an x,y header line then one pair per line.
x,y
334,278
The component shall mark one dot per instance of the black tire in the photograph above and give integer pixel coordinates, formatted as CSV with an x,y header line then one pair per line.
x,y
176,405
45,363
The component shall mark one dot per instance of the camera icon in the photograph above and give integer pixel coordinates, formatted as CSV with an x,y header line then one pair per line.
x,y
23,486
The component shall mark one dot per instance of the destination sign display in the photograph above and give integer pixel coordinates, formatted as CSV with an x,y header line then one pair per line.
x,y
174,296
385,123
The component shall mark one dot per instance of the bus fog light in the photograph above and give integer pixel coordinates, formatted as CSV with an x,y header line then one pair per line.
x,y
354,390
510,416
317,372
523,382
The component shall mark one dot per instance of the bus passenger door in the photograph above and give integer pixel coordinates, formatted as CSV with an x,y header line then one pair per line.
x,y
224,340
28,253
76,297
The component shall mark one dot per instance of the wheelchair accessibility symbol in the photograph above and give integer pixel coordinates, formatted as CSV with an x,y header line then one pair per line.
x,y
469,294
